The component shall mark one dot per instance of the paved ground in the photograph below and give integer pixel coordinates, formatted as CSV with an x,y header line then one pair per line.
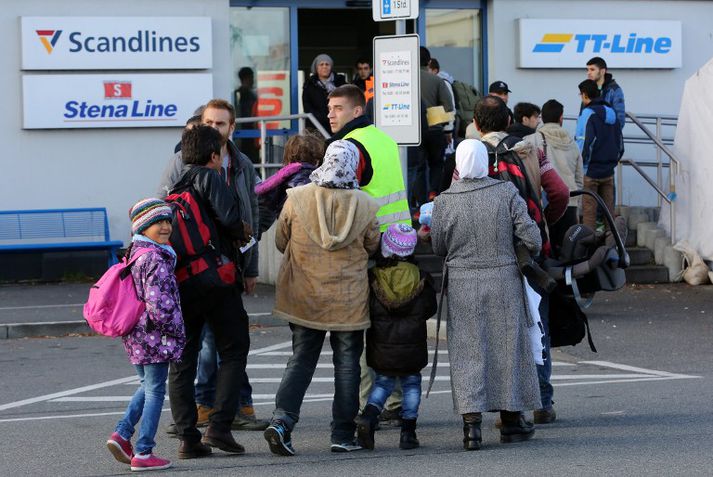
x,y
640,406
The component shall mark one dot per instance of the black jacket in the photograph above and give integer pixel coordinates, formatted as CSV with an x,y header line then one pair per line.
x,y
519,130
220,204
314,98
396,342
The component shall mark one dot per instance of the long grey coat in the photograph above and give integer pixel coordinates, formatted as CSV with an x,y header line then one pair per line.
x,y
474,224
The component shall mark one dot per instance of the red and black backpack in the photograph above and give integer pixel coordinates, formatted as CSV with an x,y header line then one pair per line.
x,y
195,240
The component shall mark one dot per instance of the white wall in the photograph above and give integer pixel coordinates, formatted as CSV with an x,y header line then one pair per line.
x,y
646,91
110,168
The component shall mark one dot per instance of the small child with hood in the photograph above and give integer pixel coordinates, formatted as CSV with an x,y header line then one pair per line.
x,y
402,298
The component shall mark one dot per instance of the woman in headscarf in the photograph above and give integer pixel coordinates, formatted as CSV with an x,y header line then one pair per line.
x,y
327,230
474,225
318,86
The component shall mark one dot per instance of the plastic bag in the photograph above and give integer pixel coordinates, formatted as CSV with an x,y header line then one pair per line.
x,y
694,270
535,332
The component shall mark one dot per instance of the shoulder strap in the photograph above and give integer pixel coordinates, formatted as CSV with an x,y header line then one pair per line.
x,y
583,303
186,180
544,144
129,263
444,293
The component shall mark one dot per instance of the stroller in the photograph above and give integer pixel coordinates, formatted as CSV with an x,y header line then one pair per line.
x,y
586,264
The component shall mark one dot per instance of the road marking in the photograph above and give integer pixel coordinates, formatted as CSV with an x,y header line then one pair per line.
x,y
39,307
73,322
624,367
105,384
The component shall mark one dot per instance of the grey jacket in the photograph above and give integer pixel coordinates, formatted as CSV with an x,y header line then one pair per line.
x,y
242,182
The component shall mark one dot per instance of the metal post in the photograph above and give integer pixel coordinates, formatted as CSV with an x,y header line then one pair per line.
x,y
659,166
263,148
619,186
301,125
403,154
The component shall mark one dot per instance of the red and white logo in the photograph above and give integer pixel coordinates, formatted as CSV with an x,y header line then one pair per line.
x,y
117,89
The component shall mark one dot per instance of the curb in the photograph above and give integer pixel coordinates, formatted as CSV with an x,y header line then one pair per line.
x,y
10,331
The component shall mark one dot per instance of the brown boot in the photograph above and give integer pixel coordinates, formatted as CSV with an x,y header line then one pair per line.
x,y
204,413
515,428
544,416
222,440
193,450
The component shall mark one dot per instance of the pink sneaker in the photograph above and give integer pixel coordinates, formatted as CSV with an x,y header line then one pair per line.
x,y
120,448
142,462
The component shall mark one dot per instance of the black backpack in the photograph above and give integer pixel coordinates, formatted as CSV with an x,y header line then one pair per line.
x,y
200,265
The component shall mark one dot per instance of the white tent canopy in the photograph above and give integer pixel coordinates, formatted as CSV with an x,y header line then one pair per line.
x,y
693,145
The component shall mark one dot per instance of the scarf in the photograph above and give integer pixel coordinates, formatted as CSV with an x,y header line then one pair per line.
x,y
472,159
338,171
168,248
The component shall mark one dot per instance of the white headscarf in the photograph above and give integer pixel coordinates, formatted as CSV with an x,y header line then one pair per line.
x,y
338,171
472,159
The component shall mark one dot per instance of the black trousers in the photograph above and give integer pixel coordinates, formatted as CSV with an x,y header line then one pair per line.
x,y
222,309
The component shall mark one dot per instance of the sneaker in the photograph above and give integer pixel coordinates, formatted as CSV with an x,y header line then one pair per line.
x,y
346,447
120,448
204,413
141,462
279,438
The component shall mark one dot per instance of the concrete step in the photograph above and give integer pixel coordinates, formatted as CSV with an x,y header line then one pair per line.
x,y
647,274
640,255
630,239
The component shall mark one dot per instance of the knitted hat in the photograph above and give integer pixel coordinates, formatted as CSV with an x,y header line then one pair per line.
x,y
399,240
147,212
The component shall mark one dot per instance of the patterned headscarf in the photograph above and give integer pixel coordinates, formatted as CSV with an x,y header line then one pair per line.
x,y
338,171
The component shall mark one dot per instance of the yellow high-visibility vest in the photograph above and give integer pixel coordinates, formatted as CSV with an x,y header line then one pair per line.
x,y
387,182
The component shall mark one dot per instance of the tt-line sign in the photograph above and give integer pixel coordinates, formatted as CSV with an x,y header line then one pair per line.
x,y
571,43
113,43
112,100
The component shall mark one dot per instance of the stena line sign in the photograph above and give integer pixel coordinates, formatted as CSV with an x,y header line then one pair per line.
x,y
112,100
99,43
570,43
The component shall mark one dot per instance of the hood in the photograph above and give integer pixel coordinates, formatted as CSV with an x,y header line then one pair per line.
x,y
522,148
397,285
356,123
609,82
446,76
557,137
333,218
605,112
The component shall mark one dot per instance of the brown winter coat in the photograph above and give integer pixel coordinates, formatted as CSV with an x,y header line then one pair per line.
x,y
327,236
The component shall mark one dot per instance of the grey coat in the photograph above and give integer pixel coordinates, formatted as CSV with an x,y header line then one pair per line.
x,y
242,185
491,362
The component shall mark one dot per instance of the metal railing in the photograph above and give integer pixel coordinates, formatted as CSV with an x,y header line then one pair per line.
x,y
263,166
674,164
661,144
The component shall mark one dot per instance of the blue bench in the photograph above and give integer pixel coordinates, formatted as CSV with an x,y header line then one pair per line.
x,y
56,230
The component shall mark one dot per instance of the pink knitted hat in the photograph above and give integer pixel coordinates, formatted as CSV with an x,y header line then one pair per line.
x,y
399,240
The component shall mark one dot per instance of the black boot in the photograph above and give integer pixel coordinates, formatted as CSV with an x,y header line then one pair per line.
x,y
515,428
471,431
408,434
366,425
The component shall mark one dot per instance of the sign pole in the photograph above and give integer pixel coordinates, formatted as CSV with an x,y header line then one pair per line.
x,y
403,152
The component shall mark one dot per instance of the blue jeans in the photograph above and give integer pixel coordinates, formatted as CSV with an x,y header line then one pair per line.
x,y
544,371
411,387
146,405
208,363
306,346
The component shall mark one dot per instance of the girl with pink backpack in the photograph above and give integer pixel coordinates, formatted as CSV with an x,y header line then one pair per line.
x,y
157,339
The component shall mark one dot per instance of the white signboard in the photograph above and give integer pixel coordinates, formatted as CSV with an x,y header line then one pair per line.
x,y
571,43
389,10
397,93
112,100
101,43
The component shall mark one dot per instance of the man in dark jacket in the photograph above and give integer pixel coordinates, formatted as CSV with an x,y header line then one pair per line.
x,y
609,89
527,117
599,139
217,307
240,177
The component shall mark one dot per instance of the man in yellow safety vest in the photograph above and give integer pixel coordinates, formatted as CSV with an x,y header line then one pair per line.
x,y
379,171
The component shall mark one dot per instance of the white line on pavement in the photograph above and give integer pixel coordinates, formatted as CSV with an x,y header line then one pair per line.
x,y
106,384
624,367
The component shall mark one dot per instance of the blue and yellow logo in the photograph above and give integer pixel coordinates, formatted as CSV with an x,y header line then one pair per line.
x,y
552,42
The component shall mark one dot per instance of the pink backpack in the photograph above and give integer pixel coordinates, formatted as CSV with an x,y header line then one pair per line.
x,y
113,308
